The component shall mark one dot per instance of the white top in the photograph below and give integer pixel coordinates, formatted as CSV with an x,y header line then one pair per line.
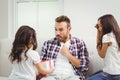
x,y
26,69
62,65
112,58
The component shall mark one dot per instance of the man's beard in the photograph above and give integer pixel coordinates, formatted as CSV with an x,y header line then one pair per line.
x,y
62,39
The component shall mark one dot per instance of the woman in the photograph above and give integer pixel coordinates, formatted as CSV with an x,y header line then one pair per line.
x,y
24,57
108,47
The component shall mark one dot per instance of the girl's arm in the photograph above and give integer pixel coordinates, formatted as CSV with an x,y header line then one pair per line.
x,y
42,70
101,47
99,37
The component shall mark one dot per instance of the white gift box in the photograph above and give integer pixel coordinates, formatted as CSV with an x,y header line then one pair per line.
x,y
47,64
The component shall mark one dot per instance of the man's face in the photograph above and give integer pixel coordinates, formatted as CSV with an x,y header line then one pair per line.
x,y
62,31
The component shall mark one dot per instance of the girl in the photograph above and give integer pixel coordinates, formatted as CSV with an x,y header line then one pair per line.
x,y
24,57
108,47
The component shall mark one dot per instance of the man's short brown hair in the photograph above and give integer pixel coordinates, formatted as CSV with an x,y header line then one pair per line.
x,y
63,18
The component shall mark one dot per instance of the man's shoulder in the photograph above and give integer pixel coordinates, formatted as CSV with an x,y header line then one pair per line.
x,y
76,39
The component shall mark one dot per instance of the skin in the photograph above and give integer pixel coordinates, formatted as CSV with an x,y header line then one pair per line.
x,y
42,70
39,67
62,32
101,51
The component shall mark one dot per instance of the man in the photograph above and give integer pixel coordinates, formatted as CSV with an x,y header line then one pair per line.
x,y
69,54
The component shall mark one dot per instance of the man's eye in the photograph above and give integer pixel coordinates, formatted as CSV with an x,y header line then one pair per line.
x,y
60,29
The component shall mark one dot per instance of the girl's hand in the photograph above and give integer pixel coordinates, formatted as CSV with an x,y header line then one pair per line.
x,y
96,26
51,69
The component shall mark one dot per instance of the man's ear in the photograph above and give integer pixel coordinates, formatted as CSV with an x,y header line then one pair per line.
x,y
69,28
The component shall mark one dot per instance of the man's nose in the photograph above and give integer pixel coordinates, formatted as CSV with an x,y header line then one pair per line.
x,y
57,32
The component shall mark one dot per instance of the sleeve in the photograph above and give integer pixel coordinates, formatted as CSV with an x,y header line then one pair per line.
x,y
106,38
35,57
43,54
83,54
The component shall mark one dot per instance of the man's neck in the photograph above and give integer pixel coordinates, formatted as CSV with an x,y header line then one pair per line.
x,y
69,37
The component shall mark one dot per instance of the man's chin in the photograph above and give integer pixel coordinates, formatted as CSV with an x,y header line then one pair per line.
x,y
59,40
62,41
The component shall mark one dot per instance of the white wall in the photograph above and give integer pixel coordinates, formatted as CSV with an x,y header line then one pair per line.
x,y
3,19
40,16
84,15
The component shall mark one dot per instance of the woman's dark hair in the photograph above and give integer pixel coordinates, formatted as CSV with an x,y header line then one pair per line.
x,y
23,38
109,24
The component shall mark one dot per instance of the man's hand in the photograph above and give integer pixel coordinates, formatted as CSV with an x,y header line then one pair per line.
x,y
65,51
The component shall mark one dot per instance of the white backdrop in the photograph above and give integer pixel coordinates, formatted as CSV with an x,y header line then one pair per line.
x,y
84,15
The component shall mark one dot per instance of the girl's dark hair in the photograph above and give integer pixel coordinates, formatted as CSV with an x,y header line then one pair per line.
x,y
109,24
22,40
